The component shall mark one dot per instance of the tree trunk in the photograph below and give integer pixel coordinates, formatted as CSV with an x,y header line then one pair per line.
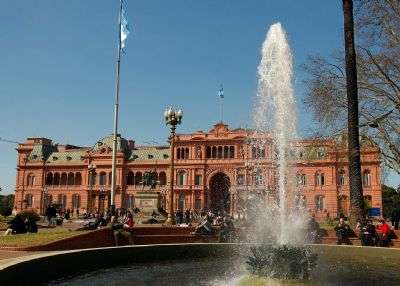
x,y
356,192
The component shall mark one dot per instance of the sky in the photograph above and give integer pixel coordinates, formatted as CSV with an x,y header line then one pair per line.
x,y
58,58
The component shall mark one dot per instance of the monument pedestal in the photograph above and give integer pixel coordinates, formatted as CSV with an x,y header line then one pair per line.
x,y
147,202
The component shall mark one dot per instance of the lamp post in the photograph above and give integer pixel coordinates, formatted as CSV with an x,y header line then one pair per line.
x,y
92,170
172,118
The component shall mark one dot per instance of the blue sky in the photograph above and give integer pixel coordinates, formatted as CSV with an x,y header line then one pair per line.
x,y
57,68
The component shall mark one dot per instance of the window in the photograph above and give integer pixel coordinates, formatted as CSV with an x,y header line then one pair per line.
x,y
220,155
63,180
257,152
368,201
197,201
198,180
300,180
341,177
319,203
138,178
130,179
31,180
93,178
62,200
56,179
102,179
300,201
319,179
70,180
240,179
109,178
130,202
78,179
231,152
366,178
226,152
29,200
214,152
76,201
208,152
182,178
162,177
258,178
165,156
49,179
181,201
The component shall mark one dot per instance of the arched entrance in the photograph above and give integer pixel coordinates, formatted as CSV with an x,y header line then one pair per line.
x,y
219,193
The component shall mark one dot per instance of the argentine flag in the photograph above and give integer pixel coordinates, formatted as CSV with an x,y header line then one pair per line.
x,y
124,29
221,92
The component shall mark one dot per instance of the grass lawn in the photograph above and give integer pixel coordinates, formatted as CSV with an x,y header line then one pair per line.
x,y
42,237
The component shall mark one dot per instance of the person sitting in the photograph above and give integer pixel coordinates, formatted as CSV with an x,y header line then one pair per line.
x,y
383,230
31,225
342,232
124,229
367,234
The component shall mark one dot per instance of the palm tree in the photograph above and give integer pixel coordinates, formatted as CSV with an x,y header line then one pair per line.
x,y
356,192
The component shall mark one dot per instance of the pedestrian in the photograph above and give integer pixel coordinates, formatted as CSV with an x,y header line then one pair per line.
x,y
187,217
342,232
395,218
383,230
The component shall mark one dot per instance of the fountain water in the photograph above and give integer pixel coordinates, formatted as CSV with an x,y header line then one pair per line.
x,y
274,121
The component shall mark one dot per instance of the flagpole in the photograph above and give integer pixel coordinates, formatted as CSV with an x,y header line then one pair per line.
x,y
116,108
221,111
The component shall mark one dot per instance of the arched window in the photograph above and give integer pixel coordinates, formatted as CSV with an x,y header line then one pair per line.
x,y
300,179
29,200
30,180
49,179
178,153
319,203
130,179
220,152
208,152
319,179
182,201
231,152
138,178
70,180
226,152
186,153
102,178
182,178
162,177
63,180
214,152
56,179
76,201
341,177
78,179
366,178
258,177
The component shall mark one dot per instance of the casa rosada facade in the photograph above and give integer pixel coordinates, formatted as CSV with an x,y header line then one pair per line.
x,y
212,170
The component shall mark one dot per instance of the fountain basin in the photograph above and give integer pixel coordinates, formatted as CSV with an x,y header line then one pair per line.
x,y
202,264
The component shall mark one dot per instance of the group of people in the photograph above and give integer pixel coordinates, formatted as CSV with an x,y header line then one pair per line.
x,y
183,217
217,223
19,225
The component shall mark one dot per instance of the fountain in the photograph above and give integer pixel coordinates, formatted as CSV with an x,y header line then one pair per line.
x,y
274,121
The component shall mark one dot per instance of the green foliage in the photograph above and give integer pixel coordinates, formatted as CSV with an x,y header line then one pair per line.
x,y
6,205
281,262
390,200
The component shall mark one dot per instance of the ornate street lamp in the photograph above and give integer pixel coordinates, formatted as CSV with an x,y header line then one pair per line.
x,y
172,118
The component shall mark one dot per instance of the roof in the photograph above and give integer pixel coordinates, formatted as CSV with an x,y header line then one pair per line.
x,y
150,153
75,156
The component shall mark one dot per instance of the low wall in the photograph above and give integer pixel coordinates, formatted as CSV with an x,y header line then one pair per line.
x,y
40,268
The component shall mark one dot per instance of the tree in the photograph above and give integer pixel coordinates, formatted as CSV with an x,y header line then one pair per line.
x,y
356,192
6,205
378,79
